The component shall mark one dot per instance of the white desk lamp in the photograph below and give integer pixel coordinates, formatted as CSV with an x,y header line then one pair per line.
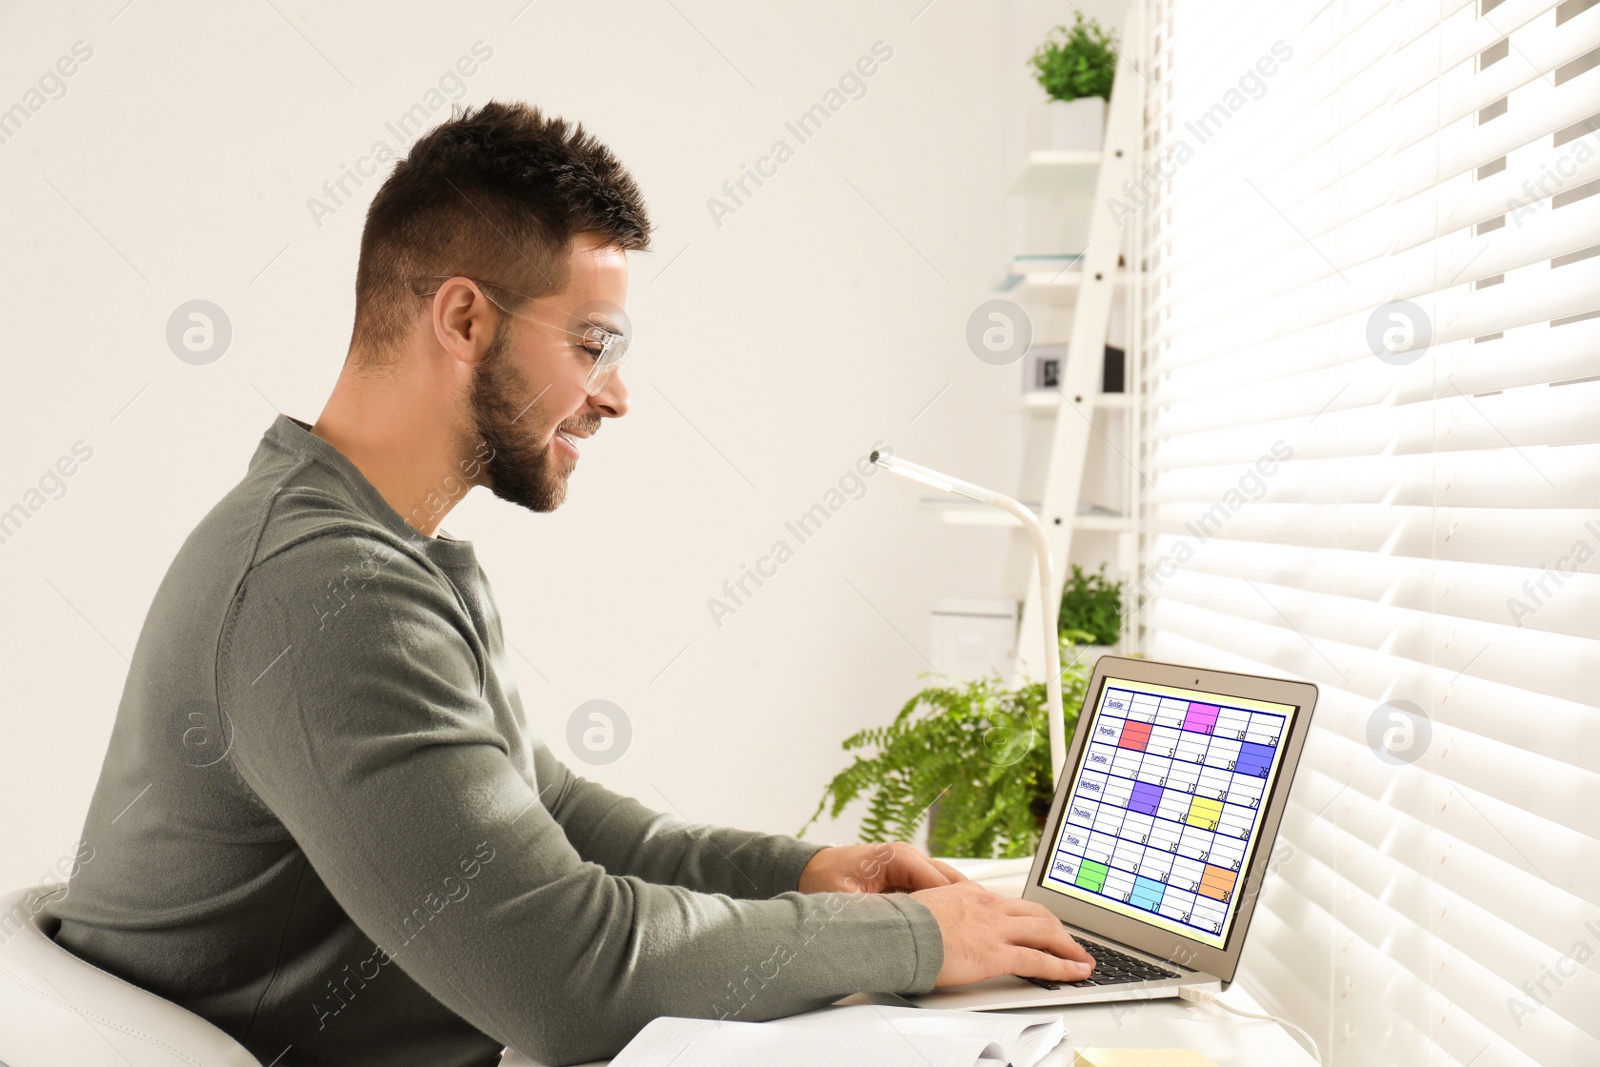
x,y
1047,584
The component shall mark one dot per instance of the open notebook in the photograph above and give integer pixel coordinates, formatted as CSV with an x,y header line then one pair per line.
x,y
865,1035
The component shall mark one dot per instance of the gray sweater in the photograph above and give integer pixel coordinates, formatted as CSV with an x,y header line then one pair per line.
x,y
324,824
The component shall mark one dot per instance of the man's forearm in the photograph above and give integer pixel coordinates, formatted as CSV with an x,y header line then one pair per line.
x,y
626,838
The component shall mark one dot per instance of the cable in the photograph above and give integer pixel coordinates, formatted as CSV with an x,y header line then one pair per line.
x,y
1206,996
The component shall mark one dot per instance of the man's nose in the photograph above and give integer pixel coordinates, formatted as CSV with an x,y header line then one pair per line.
x,y
612,400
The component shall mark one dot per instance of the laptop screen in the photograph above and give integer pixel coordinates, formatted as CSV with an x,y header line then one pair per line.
x,y
1165,804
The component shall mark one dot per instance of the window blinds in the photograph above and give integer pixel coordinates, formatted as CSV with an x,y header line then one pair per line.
x,y
1370,322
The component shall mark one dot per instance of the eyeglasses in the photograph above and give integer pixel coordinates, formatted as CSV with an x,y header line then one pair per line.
x,y
604,346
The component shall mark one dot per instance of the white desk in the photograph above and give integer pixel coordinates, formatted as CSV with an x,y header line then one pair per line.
x,y
1171,1023
1167,1023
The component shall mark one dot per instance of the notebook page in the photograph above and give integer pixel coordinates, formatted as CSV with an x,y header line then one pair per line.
x,y
671,1042
1023,1039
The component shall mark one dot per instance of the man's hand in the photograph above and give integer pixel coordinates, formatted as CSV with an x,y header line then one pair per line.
x,y
986,934
888,867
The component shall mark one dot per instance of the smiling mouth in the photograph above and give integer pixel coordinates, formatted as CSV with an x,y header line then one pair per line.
x,y
569,439
573,432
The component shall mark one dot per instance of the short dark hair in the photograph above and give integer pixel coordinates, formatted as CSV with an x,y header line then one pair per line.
x,y
497,193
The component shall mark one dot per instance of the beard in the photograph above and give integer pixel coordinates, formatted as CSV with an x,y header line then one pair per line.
x,y
508,425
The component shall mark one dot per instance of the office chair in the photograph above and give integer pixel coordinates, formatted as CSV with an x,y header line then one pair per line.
x,y
57,1009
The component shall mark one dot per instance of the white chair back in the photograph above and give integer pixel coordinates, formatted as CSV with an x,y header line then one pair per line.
x,y
57,1009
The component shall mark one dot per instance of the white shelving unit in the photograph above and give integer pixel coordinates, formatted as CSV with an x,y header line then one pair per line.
x,y
971,513
1081,442
1075,476
1052,173
1067,283
1050,400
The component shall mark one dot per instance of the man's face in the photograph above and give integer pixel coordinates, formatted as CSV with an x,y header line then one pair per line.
x,y
529,408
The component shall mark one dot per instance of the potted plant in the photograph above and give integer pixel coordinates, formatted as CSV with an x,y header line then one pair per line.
x,y
1075,67
1090,620
973,757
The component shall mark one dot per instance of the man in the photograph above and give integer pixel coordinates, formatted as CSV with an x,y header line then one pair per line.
x,y
336,836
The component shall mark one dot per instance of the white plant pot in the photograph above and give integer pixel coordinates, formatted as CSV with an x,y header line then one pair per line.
x,y
1077,125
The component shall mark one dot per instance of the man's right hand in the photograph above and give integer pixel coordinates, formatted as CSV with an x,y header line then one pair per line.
x,y
986,934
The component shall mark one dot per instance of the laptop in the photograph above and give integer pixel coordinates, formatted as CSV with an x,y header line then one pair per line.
x,y
1160,832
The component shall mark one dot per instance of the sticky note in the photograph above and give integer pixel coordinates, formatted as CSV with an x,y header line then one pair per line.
x,y
1140,1057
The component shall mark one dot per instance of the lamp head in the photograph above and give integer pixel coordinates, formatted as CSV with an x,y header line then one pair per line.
x,y
890,462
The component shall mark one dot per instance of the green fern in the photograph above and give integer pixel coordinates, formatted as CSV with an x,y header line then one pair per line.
x,y
1091,607
981,750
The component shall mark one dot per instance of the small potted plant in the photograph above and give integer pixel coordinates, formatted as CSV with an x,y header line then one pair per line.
x,y
971,757
1075,67
1091,615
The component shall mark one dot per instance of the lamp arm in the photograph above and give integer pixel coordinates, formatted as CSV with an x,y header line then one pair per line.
x,y
1052,646
1047,584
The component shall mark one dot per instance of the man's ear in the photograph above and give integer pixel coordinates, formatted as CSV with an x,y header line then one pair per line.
x,y
463,320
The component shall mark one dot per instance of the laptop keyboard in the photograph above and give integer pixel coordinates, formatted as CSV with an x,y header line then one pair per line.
x,y
1110,968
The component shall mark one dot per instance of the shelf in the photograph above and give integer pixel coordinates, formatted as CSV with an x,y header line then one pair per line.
x,y
1058,174
1023,276
960,512
1112,523
1050,400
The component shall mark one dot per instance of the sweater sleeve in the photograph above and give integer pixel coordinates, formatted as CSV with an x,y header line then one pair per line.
x,y
625,837
367,735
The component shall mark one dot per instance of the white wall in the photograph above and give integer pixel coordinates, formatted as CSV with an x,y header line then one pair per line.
x,y
178,165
